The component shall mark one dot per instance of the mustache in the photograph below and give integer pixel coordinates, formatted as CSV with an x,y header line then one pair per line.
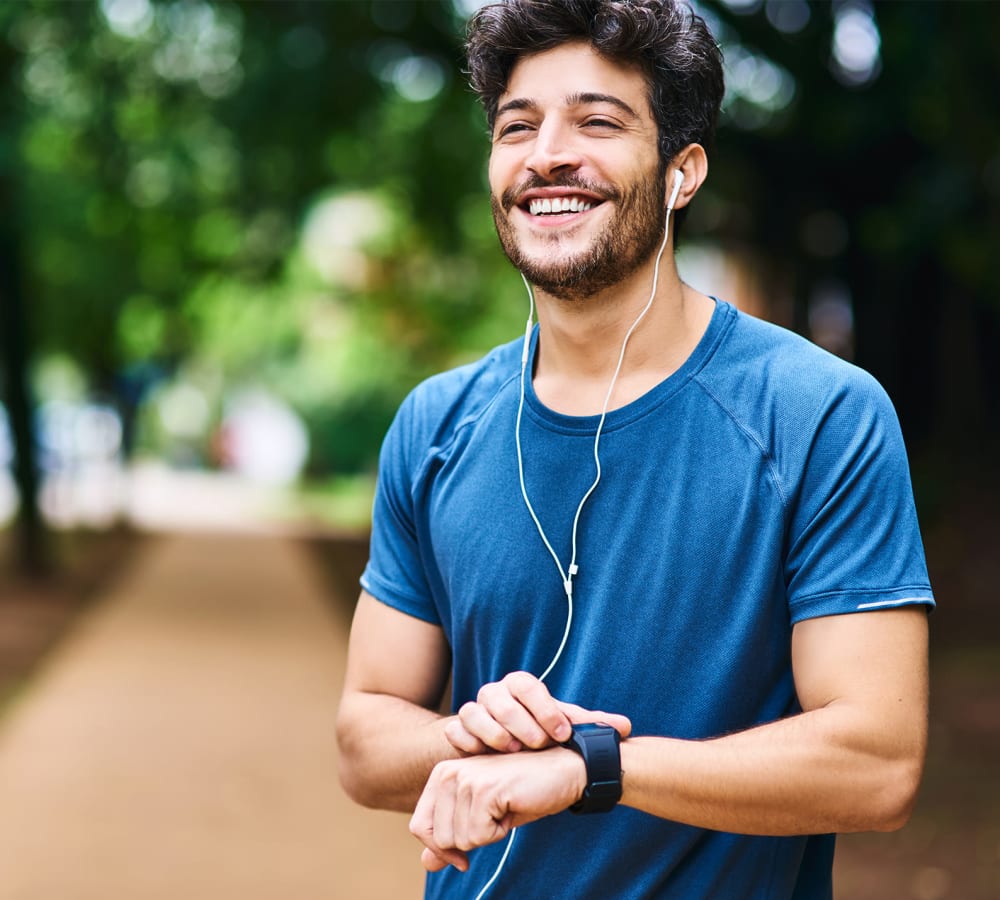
x,y
508,199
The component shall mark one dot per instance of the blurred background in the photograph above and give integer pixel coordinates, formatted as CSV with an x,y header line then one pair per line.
x,y
233,235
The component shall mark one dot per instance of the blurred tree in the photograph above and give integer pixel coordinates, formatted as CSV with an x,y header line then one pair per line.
x,y
164,142
296,191
165,154
14,331
877,176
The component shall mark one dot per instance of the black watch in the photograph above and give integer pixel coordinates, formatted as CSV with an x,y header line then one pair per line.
x,y
599,747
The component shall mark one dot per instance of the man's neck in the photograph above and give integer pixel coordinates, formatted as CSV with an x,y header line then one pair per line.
x,y
580,340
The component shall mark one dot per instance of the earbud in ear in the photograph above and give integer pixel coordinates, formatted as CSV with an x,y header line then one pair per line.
x,y
678,181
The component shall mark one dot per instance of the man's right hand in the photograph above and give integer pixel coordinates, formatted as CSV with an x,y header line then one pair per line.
x,y
517,712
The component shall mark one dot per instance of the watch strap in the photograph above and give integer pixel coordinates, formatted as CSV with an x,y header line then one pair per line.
x,y
599,745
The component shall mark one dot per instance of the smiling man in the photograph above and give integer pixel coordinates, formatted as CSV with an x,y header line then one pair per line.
x,y
667,553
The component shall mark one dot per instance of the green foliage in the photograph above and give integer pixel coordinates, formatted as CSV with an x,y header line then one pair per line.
x,y
168,158
172,160
901,167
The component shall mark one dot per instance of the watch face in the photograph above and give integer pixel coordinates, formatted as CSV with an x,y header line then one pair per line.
x,y
593,728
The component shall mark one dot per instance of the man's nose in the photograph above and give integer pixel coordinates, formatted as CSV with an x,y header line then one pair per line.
x,y
554,151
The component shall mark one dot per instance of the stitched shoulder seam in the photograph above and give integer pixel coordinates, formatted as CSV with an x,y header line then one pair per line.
x,y
471,419
767,457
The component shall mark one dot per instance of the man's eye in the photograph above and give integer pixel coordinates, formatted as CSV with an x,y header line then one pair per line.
x,y
600,123
512,128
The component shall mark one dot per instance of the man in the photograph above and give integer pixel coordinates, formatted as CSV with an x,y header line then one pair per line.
x,y
688,528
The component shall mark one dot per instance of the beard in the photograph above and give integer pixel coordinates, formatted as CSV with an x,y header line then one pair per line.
x,y
622,246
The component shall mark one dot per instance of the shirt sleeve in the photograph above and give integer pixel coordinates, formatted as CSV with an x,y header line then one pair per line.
x,y
853,540
395,573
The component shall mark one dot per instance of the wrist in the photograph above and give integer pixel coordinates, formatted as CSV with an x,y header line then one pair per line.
x,y
574,774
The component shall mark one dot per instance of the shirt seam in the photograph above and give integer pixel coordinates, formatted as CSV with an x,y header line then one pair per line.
x,y
767,457
391,595
863,592
434,452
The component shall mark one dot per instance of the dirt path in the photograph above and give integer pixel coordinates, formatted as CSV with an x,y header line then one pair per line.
x,y
180,743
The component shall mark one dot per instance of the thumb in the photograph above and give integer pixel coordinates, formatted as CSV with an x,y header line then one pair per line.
x,y
435,862
579,716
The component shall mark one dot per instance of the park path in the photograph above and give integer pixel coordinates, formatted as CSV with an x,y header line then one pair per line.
x,y
179,744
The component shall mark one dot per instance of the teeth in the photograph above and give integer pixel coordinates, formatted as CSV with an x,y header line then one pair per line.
x,y
554,205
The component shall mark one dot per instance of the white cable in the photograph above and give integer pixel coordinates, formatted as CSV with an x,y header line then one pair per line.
x,y
611,387
567,574
572,569
499,868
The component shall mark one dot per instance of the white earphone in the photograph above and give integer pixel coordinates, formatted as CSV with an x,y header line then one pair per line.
x,y
678,181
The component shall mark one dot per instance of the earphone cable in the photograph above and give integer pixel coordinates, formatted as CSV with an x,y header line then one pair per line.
x,y
568,573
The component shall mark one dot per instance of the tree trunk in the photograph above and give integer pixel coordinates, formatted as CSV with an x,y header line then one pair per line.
x,y
30,538
29,529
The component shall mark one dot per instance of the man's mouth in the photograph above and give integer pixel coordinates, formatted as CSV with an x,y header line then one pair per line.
x,y
559,206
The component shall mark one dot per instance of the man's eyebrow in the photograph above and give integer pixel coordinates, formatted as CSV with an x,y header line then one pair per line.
x,y
581,99
588,97
517,104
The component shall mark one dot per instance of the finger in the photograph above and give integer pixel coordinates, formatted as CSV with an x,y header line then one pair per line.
x,y
422,822
462,740
534,696
463,818
496,703
480,817
485,827
477,812
483,726
434,862
524,706
579,715
443,817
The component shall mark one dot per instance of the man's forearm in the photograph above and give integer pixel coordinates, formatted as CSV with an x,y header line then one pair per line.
x,y
813,773
388,747
851,762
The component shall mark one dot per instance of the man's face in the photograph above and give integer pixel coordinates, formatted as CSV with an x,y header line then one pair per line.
x,y
576,183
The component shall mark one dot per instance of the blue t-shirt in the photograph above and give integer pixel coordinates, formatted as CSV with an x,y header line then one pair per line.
x,y
763,483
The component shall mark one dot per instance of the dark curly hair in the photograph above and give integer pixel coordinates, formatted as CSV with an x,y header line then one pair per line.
x,y
672,46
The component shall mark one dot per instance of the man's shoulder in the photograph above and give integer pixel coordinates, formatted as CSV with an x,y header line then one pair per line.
x,y
783,392
441,404
762,361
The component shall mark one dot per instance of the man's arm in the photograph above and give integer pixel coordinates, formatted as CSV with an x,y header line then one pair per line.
x,y
851,761
388,728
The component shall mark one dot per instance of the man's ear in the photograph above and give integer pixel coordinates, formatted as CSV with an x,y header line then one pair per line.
x,y
692,163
